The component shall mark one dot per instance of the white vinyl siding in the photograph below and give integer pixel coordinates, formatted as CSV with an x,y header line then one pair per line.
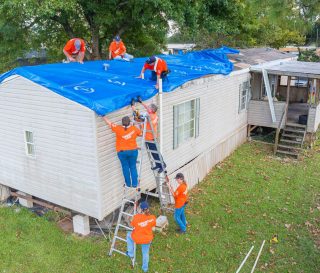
x,y
65,170
29,143
244,94
186,121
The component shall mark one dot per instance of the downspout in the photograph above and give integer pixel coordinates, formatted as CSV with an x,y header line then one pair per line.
x,y
161,116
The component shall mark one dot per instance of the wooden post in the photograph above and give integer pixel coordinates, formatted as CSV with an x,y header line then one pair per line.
x,y
288,96
276,141
317,91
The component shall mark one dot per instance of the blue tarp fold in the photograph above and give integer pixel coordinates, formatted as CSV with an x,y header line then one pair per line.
x,y
106,91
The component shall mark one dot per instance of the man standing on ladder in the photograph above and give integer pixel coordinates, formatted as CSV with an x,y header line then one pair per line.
x,y
143,224
152,112
127,149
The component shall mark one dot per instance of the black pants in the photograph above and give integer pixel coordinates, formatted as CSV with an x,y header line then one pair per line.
x,y
163,75
151,146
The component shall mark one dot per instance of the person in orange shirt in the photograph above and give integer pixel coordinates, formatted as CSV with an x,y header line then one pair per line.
x,y
149,139
74,50
143,224
181,199
158,67
118,51
127,149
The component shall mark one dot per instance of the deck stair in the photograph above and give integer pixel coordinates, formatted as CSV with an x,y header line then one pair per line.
x,y
292,140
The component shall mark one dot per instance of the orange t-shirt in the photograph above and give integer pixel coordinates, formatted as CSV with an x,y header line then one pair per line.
x,y
125,139
117,49
71,49
142,228
159,66
154,120
181,195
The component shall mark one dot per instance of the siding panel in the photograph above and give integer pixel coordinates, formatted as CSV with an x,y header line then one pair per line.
x,y
259,113
64,170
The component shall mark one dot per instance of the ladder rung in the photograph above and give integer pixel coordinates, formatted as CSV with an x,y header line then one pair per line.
x,y
153,152
128,214
129,201
157,161
119,251
126,227
121,239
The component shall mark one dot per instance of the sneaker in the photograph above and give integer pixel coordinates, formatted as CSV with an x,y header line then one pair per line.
x,y
182,232
154,168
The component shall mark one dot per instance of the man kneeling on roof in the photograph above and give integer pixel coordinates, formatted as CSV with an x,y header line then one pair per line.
x,y
159,69
118,51
143,225
74,50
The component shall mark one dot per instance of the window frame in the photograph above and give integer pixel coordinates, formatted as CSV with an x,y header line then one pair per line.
x,y
195,118
29,143
244,97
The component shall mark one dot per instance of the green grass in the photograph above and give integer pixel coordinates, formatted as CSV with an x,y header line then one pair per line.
x,y
245,200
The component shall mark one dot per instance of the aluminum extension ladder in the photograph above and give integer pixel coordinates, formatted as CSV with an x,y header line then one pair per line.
x,y
162,188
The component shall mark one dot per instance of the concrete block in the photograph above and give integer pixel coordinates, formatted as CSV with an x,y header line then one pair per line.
x,y
23,202
81,224
161,223
4,193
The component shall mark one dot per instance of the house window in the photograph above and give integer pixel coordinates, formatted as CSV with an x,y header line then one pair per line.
x,y
244,95
185,121
29,140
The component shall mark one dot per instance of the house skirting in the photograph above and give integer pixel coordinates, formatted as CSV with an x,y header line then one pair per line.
x,y
197,169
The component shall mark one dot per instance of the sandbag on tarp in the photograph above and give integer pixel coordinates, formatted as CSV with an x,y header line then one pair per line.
x,y
105,91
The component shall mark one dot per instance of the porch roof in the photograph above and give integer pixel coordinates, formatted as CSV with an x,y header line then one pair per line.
x,y
291,68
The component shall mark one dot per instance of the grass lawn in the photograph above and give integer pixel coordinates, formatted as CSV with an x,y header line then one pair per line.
x,y
243,201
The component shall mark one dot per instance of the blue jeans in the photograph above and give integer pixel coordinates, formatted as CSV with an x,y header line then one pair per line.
x,y
180,218
128,161
126,57
145,251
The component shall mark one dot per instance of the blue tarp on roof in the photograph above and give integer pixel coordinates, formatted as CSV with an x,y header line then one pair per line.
x,y
106,91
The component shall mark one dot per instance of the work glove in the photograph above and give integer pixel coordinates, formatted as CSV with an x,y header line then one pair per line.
x,y
139,99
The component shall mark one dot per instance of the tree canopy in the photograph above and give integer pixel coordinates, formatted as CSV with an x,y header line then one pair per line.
x,y
27,25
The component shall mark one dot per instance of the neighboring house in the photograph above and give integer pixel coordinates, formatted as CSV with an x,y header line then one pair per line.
x,y
292,106
54,147
179,48
33,58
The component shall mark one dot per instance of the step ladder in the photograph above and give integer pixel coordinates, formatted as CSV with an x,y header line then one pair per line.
x,y
162,188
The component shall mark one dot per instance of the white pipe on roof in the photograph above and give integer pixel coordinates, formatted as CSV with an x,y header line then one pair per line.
x,y
161,116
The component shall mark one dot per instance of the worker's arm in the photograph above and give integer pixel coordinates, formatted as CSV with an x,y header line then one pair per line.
x,y
169,185
143,104
69,57
110,54
80,57
142,73
107,121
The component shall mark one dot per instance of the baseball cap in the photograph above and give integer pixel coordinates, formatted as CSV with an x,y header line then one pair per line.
x,y
144,205
77,44
117,38
151,60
